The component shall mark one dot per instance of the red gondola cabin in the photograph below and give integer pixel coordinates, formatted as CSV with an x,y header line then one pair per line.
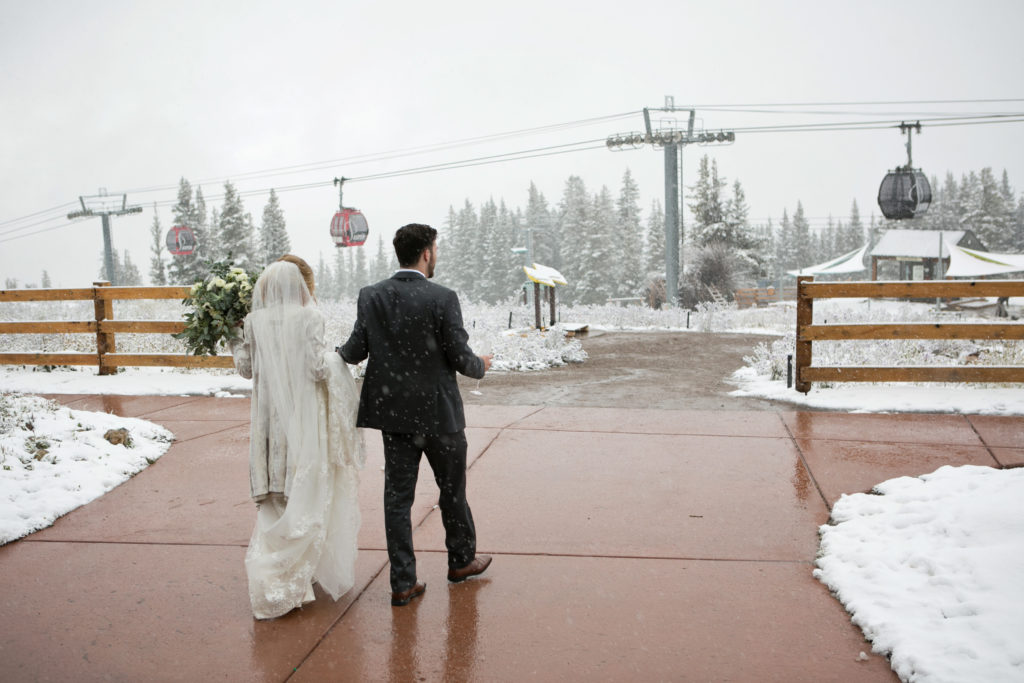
x,y
181,241
349,228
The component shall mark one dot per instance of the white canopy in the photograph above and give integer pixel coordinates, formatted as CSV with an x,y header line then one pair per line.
x,y
847,263
965,262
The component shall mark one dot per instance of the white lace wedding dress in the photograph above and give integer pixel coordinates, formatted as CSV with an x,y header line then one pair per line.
x,y
305,451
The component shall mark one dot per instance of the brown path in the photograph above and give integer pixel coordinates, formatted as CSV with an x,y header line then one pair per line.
x,y
628,544
669,370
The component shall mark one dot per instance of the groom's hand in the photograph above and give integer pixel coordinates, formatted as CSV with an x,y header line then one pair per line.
x,y
487,362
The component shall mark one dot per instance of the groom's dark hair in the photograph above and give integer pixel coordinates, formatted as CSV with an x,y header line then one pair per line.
x,y
411,240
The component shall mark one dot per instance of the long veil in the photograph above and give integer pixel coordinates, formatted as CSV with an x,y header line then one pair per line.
x,y
312,398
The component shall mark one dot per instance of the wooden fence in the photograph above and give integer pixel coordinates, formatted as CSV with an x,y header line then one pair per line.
x,y
807,332
104,327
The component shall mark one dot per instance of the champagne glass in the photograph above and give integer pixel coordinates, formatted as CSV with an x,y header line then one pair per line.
x,y
483,348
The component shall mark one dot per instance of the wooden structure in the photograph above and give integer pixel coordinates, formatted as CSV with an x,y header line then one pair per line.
x,y
918,251
548,277
104,327
762,296
807,332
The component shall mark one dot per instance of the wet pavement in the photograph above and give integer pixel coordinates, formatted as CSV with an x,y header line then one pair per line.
x,y
627,544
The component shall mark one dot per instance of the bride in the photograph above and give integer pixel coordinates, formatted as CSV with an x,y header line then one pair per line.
x,y
304,449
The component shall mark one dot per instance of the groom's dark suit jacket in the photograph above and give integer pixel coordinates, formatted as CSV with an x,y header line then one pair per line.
x,y
411,329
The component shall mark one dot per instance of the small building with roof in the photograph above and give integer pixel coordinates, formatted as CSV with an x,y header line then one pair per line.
x,y
919,253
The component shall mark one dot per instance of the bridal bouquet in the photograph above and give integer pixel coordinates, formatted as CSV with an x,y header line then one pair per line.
x,y
218,307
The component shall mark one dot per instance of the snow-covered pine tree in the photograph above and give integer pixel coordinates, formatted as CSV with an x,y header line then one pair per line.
x,y
463,263
339,275
802,238
447,244
45,282
381,264
129,275
273,242
854,235
750,245
785,246
708,207
630,274
1018,227
181,268
825,242
360,276
989,219
837,243
594,274
252,239
157,268
540,224
324,281
572,225
737,218
765,235
518,278
873,229
945,207
214,230
484,261
208,247
1010,216
236,229
654,252
507,265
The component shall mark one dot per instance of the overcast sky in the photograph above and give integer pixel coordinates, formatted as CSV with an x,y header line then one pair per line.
x,y
135,95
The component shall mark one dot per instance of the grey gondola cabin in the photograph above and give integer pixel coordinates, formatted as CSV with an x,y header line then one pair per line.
x,y
905,192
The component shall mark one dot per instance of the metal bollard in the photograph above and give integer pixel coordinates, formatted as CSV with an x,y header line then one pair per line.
x,y
789,371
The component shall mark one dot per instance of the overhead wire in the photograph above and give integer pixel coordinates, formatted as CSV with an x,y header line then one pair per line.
x,y
399,153
858,103
579,146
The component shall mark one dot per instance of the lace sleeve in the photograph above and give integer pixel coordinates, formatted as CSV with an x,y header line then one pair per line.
x,y
316,346
241,353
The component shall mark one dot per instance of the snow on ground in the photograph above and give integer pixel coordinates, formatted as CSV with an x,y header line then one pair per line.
x,y
127,382
858,397
55,459
930,568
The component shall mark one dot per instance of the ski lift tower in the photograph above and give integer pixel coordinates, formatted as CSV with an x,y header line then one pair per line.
x,y
105,205
672,138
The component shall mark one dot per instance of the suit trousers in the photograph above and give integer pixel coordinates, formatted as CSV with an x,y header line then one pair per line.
x,y
446,454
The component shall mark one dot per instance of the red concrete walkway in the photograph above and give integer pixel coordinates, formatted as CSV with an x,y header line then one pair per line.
x,y
628,544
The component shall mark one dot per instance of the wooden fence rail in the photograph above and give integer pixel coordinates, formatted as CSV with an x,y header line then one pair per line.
x,y
104,327
807,332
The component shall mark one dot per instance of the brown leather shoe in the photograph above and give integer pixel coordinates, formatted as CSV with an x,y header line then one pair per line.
x,y
405,597
478,566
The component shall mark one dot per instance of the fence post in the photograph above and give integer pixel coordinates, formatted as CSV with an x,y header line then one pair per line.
x,y
536,306
804,318
104,309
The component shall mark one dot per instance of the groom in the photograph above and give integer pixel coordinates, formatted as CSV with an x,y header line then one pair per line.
x,y
411,329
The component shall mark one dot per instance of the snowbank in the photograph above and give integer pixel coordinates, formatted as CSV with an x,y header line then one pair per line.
x,y
930,569
55,459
